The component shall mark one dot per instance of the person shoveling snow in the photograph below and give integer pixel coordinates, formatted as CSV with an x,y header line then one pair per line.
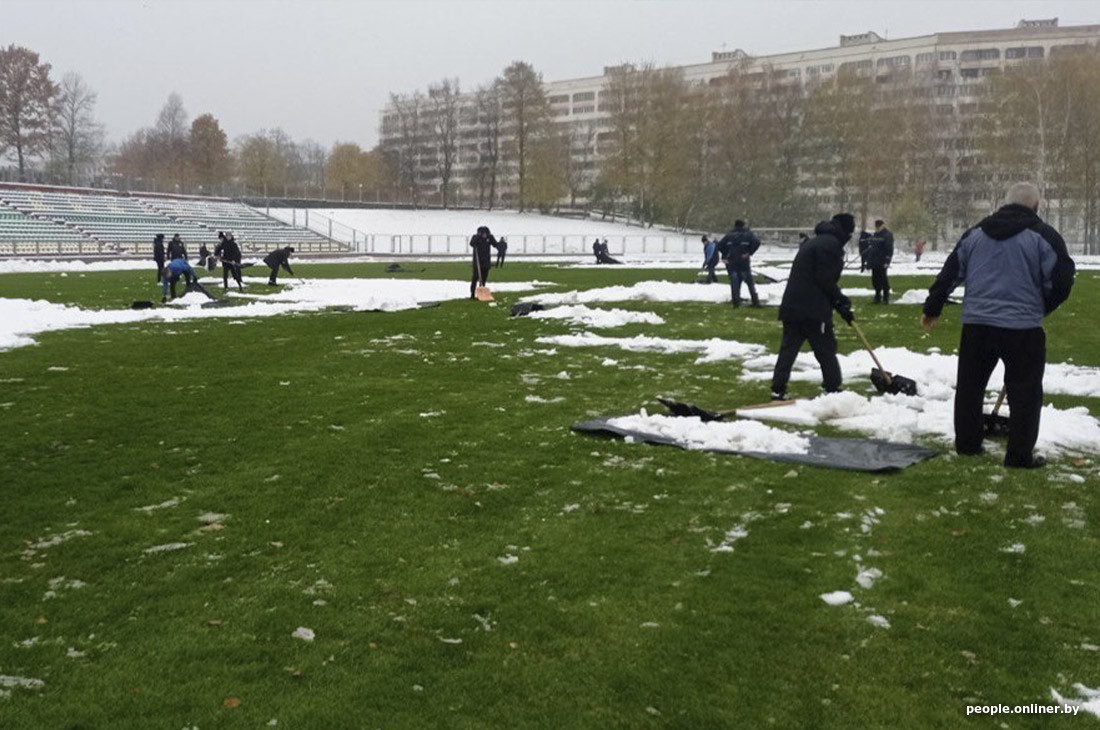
x,y
172,273
1017,270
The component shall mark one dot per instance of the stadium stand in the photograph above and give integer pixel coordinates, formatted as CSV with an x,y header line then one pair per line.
x,y
21,234
252,229
36,219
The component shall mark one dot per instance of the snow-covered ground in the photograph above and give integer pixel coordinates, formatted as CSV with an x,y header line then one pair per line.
x,y
670,291
21,319
692,433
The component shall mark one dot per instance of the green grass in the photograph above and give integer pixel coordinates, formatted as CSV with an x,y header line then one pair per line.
x,y
338,477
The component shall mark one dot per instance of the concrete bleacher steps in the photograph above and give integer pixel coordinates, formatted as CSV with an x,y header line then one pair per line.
x,y
59,220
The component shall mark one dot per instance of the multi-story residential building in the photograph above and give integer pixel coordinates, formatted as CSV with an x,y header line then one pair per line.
x,y
952,64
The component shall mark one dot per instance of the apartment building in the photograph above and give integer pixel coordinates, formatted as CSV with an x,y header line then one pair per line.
x,y
954,64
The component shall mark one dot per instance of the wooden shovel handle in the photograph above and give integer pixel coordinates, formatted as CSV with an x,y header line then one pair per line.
x,y
871,351
1000,400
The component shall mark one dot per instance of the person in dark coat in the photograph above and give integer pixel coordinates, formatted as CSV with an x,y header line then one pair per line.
x,y
502,249
483,244
1016,270
603,253
710,259
864,244
229,253
158,254
176,249
880,251
736,249
811,295
597,249
204,254
275,259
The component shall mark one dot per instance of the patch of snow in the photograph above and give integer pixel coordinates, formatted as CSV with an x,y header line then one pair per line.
x,y
10,682
837,598
167,547
1088,699
303,633
167,504
879,621
693,433
584,316
710,350
866,578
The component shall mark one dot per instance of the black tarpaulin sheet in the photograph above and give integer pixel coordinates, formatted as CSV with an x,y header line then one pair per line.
x,y
853,454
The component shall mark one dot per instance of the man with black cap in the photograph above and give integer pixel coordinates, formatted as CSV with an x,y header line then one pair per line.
x,y
176,249
158,254
482,243
1016,270
736,249
275,259
229,253
880,251
811,295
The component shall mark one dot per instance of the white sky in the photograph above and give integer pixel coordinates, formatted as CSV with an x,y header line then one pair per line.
x,y
324,69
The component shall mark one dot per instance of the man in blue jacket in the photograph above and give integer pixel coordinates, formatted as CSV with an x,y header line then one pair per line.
x,y
1016,270
737,248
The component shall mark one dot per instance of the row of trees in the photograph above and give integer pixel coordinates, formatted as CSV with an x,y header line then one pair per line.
x,y
49,131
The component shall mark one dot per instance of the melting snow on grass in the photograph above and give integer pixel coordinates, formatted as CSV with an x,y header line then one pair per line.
x,y
837,598
693,433
1088,698
21,319
581,315
710,350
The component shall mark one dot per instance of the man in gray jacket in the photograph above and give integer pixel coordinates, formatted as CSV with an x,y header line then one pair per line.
x,y
1016,270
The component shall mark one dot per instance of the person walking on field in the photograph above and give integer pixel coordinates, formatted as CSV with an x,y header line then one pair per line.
x,y
880,251
1016,270
482,243
811,295
158,254
737,248
502,249
918,250
275,259
710,259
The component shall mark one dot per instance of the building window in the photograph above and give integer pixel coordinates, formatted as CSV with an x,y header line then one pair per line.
x,y
824,68
894,61
559,99
947,55
924,59
584,96
584,108
1024,52
981,54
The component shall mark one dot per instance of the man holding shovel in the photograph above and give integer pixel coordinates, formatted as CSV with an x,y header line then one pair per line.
x,y
482,243
1016,270
811,295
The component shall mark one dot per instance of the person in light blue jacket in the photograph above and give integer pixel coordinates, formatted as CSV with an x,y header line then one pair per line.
x,y
1016,270
710,259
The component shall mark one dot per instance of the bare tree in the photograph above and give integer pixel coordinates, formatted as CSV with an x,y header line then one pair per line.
x,y
443,115
77,136
26,104
406,148
526,115
490,121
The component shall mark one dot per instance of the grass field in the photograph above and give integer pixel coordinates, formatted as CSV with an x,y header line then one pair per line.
x,y
467,562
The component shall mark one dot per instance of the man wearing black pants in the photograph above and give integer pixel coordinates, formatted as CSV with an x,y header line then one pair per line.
x,y
229,253
275,259
736,249
880,251
811,295
482,243
502,249
158,254
1016,270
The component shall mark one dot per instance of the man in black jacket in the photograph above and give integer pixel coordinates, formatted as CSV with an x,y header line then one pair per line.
x,y
880,251
275,259
482,243
229,253
808,301
1016,270
736,249
176,249
158,254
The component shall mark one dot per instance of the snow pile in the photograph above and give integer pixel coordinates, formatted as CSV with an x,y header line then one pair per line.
x,y
38,266
902,418
1089,702
693,433
669,291
21,319
711,350
933,371
837,598
599,318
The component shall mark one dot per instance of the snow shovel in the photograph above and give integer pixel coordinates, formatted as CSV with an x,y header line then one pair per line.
x,y
996,424
882,379
196,286
482,292
687,410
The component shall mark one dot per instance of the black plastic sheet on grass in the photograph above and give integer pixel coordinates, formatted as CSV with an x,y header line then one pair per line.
x,y
853,454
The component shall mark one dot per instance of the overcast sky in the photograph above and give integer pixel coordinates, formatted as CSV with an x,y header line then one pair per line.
x,y
324,68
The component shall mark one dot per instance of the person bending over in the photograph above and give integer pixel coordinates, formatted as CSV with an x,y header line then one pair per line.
x,y
280,257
